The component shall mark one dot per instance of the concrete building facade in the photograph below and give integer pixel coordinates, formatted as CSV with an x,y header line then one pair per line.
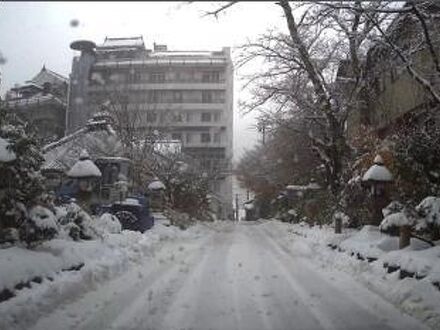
x,y
186,95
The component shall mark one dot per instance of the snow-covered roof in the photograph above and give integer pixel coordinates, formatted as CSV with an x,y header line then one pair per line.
x,y
35,99
129,201
377,173
6,154
310,186
123,42
100,141
83,169
27,85
54,165
156,185
48,76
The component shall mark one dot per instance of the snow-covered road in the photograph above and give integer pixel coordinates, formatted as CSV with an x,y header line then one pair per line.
x,y
238,276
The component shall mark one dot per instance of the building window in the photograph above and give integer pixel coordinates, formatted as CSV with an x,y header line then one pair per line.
x,y
177,96
156,96
178,117
189,137
205,137
153,96
217,137
217,116
211,76
151,117
206,117
157,77
176,136
207,97
134,77
189,117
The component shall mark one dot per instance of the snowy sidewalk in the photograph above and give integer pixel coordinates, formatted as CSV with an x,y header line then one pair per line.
x,y
408,283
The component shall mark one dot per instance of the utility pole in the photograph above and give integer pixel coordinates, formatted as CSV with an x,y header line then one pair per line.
x,y
236,208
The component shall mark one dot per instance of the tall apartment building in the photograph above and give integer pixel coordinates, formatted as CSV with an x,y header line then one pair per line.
x,y
186,94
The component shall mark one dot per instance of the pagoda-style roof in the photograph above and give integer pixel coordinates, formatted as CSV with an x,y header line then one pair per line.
x,y
48,76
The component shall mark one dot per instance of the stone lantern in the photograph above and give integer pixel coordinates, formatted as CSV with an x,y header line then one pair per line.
x,y
156,189
377,178
86,173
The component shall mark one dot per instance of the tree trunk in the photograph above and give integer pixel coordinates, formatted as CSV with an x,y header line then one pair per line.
x,y
405,236
435,233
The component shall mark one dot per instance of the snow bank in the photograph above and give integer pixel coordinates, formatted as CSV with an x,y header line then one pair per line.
x,y
370,242
103,259
417,297
425,262
108,223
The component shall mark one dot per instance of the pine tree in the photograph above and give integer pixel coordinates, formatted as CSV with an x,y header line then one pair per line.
x,y
21,184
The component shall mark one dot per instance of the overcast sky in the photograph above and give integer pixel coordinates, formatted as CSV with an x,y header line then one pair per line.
x,y
37,33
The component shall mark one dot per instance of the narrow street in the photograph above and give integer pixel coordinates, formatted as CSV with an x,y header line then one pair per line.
x,y
238,277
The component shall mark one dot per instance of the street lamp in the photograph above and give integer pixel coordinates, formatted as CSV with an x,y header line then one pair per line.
x,y
377,178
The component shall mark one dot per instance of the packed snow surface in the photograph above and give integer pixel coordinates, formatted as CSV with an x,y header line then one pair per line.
x,y
250,275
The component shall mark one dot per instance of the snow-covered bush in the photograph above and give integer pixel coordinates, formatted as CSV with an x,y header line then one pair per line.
x,y
429,210
397,219
41,225
108,223
393,207
181,220
342,217
77,223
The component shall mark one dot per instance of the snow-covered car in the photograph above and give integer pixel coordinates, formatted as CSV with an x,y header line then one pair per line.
x,y
133,213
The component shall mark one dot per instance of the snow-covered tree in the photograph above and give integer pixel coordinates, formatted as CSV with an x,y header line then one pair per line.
x,y
21,184
429,211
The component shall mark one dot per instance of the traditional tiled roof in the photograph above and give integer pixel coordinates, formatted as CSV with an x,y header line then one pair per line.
x,y
46,75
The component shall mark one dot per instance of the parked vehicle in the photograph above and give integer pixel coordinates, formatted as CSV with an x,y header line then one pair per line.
x,y
133,213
